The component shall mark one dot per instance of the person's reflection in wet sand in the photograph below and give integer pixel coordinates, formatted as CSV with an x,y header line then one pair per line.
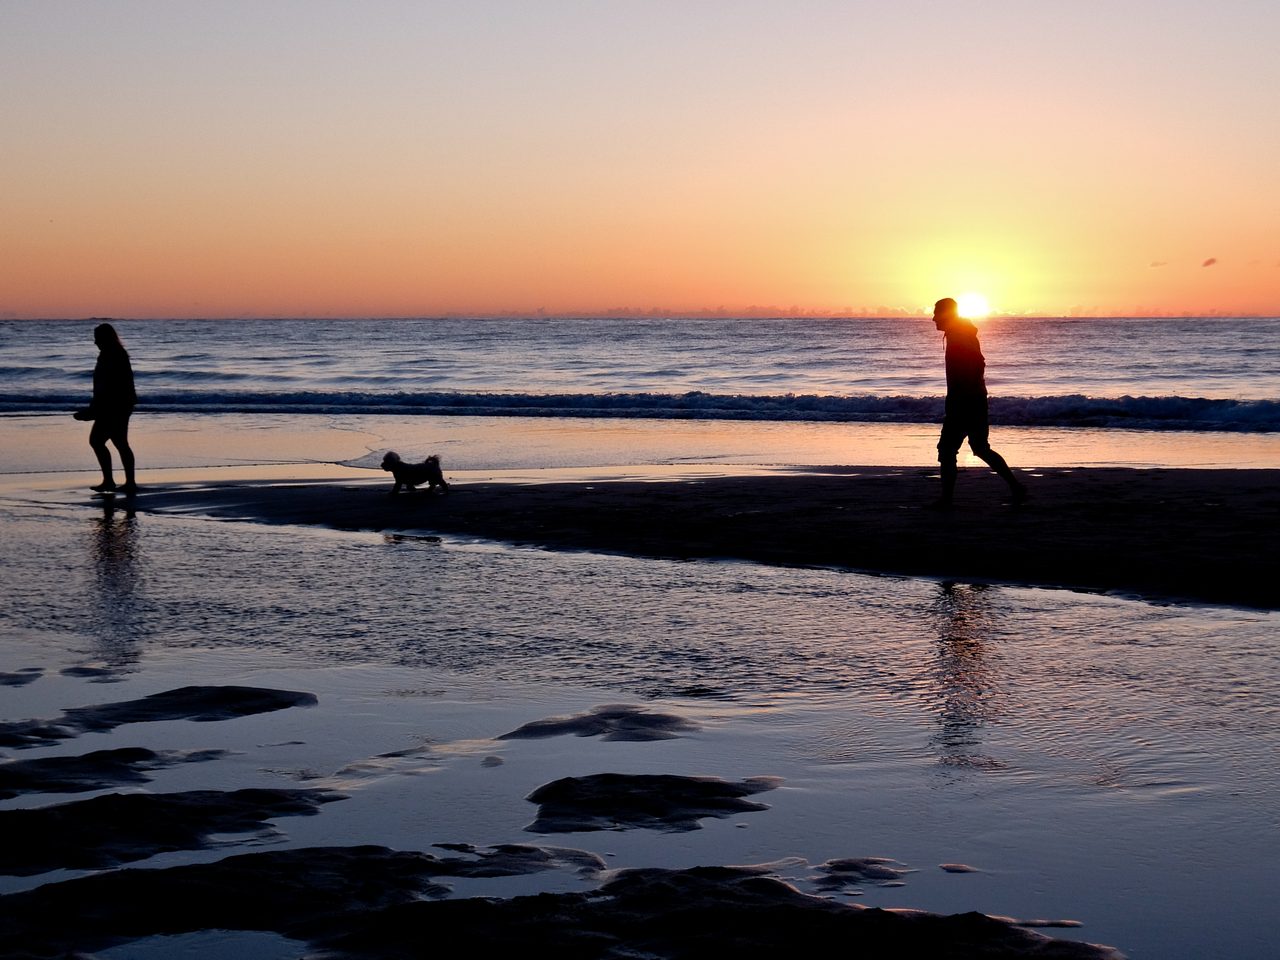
x,y
114,546
967,696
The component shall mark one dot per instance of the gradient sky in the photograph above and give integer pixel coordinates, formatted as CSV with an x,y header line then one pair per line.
x,y
381,158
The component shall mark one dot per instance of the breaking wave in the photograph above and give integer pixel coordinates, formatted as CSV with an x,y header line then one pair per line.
x,y
1139,413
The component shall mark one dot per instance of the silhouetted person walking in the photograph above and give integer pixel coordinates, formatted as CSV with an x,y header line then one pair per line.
x,y
966,413
112,405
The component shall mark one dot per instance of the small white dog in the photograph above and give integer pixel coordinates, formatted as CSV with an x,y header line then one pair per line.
x,y
411,475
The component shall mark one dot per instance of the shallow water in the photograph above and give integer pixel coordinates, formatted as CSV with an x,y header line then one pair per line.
x,y
1097,758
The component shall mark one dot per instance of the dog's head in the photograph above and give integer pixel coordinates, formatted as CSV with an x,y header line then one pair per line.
x,y
391,460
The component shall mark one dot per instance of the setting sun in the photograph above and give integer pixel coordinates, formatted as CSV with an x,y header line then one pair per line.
x,y
972,306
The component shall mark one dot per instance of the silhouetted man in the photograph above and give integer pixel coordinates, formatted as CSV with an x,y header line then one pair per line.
x,y
966,414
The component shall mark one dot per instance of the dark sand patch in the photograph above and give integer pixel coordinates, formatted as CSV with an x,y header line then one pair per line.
x,y
618,801
365,903
852,872
91,771
694,913
279,890
1193,534
609,722
517,859
20,678
201,704
120,828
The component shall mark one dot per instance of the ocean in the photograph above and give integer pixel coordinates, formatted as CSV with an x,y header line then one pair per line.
x,y
1216,375
1094,759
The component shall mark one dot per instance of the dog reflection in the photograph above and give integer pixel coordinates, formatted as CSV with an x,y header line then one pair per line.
x,y
413,475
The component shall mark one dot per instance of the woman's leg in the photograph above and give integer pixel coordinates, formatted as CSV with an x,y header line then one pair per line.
x,y
98,436
120,437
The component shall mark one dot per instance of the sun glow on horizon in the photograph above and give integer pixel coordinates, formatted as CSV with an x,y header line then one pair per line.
x,y
973,306
791,168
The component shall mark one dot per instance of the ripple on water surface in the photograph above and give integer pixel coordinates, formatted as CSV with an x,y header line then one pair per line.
x,y
1120,692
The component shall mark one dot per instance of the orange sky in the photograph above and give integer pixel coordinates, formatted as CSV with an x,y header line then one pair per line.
x,y
332,159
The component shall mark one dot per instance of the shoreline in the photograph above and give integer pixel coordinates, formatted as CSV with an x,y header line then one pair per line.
x,y
1170,534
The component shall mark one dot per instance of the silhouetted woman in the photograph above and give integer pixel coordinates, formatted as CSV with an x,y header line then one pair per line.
x,y
112,405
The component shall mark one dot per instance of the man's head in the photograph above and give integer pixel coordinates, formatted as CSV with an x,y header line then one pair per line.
x,y
944,312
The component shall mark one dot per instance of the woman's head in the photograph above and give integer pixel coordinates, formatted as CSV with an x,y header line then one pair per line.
x,y
105,336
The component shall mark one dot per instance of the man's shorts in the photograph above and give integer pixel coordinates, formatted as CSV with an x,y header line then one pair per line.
x,y
966,416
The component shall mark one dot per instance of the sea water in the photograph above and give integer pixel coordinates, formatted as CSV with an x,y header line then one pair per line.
x,y
1097,759
1217,374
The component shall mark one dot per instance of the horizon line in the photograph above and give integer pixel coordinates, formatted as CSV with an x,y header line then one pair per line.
x,y
645,315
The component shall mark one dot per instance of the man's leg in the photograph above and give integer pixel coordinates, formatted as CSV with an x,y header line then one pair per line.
x,y
949,472
998,464
948,447
981,448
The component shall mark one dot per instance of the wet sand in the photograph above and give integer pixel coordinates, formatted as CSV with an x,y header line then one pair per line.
x,y
365,900
1197,535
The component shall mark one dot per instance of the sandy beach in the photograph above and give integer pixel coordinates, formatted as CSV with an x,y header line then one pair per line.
x,y
1200,535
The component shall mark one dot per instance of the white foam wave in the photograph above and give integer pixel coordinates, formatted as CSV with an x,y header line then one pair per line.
x,y
1144,413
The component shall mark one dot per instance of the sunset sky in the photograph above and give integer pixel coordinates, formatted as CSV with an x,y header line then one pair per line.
x,y
381,158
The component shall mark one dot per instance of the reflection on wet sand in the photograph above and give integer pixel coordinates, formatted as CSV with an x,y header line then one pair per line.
x,y
967,695
114,548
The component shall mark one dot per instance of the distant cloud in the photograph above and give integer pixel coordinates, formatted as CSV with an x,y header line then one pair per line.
x,y
1210,262
1158,263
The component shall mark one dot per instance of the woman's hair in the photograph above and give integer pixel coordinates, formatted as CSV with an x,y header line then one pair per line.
x,y
104,334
